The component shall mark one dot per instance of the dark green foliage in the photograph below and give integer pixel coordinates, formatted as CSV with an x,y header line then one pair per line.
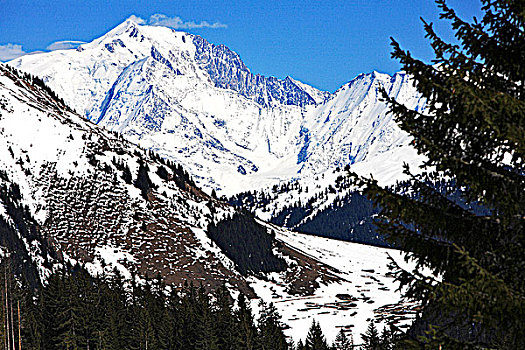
x,y
342,342
300,345
390,336
247,335
473,134
162,173
225,321
315,339
74,310
348,217
292,215
271,336
126,173
12,294
39,83
246,243
180,176
209,332
371,339
25,227
143,182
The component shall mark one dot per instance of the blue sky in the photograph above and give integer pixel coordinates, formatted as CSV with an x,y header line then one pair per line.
x,y
323,43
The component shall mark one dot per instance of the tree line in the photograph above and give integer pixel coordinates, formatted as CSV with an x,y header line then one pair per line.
x,y
76,310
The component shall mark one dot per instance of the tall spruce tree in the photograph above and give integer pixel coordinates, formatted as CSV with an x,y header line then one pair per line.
x,y
315,340
247,334
206,324
189,325
371,339
143,182
227,327
342,342
117,322
300,345
473,135
271,335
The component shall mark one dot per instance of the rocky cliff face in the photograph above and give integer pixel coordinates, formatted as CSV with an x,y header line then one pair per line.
x,y
226,70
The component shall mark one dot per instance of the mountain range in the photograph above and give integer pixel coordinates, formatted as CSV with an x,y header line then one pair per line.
x,y
71,191
198,104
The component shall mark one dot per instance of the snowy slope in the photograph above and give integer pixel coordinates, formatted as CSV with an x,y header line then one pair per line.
x,y
197,103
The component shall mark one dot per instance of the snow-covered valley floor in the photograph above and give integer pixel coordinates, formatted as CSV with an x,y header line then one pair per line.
x,y
365,291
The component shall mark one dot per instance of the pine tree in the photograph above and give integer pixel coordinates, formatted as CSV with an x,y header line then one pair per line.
x,y
247,334
208,335
51,297
473,135
126,174
168,331
116,323
300,345
143,182
371,339
270,335
87,299
188,315
148,312
15,302
315,340
342,342
32,331
75,310
68,326
227,327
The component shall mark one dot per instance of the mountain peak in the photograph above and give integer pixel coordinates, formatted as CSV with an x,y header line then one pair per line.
x,y
128,25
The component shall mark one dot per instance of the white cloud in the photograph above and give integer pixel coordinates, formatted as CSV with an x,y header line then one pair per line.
x,y
10,52
136,19
64,45
176,22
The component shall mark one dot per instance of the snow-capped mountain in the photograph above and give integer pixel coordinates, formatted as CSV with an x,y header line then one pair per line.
x,y
70,190
198,104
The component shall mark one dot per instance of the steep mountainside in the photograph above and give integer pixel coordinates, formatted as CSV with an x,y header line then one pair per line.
x,y
96,197
70,190
198,104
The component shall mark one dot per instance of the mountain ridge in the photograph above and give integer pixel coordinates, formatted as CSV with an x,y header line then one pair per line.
x,y
198,104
